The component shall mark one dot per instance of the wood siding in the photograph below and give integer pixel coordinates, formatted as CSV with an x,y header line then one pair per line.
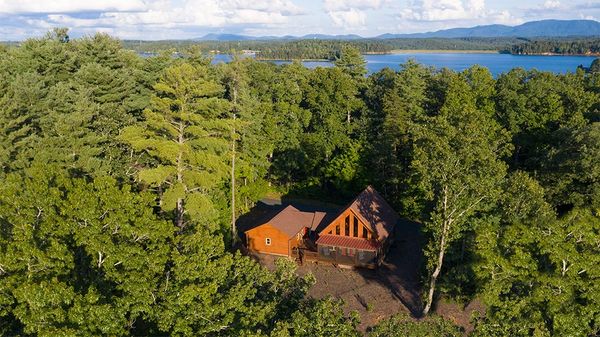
x,y
256,240
341,221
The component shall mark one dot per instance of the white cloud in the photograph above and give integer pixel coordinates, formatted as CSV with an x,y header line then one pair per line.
x,y
347,5
155,16
551,4
443,10
348,19
554,9
283,7
431,15
351,13
69,6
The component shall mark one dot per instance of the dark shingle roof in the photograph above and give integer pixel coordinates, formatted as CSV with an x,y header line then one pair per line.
x,y
291,220
375,212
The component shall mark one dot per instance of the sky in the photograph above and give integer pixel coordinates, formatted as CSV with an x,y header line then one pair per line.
x,y
185,19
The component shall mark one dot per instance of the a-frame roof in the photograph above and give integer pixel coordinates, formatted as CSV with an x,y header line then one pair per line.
x,y
375,212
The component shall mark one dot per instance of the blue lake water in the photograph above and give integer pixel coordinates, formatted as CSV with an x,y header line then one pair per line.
x,y
496,63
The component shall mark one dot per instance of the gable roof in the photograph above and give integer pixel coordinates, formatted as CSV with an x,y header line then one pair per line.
x,y
375,212
291,220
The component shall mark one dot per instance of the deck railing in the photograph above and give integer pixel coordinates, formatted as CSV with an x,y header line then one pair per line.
x,y
313,256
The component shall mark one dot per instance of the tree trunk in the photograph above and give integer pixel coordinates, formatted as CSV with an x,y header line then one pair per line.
x,y
233,227
179,210
435,275
234,237
179,215
442,251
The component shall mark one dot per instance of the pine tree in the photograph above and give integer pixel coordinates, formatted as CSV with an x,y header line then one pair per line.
x,y
187,131
352,62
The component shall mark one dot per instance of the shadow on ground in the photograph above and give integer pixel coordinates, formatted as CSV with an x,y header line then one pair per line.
x,y
400,271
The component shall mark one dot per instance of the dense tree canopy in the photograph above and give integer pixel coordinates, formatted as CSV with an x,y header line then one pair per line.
x,y
324,48
123,178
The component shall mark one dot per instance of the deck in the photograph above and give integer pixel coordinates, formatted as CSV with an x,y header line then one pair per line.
x,y
302,255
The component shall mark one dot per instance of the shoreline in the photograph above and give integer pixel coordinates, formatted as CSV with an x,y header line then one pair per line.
x,y
442,51
292,60
555,54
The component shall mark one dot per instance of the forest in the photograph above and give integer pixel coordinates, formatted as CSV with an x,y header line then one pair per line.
x,y
330,49
559,46
323,49
122,178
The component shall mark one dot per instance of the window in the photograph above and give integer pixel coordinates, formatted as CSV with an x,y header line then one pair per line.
x,y
337,229
355,227
350,251
268,241
365,233
331,232
347,226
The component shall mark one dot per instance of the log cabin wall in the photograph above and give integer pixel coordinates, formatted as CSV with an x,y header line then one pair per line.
x,y
256,240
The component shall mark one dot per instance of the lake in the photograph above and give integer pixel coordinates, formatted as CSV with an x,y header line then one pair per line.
x,y
496,63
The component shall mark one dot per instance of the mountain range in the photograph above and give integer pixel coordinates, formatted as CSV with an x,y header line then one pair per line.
x,y
542,28
235,37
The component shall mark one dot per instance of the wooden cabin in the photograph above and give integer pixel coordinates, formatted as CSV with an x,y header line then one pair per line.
x,y
361,233
357,235
283,232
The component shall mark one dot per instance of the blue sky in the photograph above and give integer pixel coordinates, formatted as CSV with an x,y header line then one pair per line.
x,y
181,19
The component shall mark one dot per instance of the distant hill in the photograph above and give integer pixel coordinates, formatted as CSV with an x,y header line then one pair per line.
x,y
543,28
235,37
331,37
227,37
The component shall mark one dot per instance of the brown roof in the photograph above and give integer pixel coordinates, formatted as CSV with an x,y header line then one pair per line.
x,y
375,212
291,220
345,241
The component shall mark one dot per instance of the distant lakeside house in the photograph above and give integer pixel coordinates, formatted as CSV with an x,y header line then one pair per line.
x,y
357,235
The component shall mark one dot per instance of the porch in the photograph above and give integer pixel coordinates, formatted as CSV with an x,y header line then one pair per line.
x,y
337,250
348,256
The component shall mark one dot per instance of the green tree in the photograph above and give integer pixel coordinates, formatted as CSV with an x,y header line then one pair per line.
x,y
457,165
402,325
66,107
319,318
286,120
352,62
187,131
534,105
252,138
595,66
537,272
77,257
332,99
572,173
403,105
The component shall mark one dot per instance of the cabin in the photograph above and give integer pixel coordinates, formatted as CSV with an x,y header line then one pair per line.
x,y
359,234
283,232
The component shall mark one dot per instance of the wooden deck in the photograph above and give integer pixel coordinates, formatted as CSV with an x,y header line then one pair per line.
x,y
315,257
